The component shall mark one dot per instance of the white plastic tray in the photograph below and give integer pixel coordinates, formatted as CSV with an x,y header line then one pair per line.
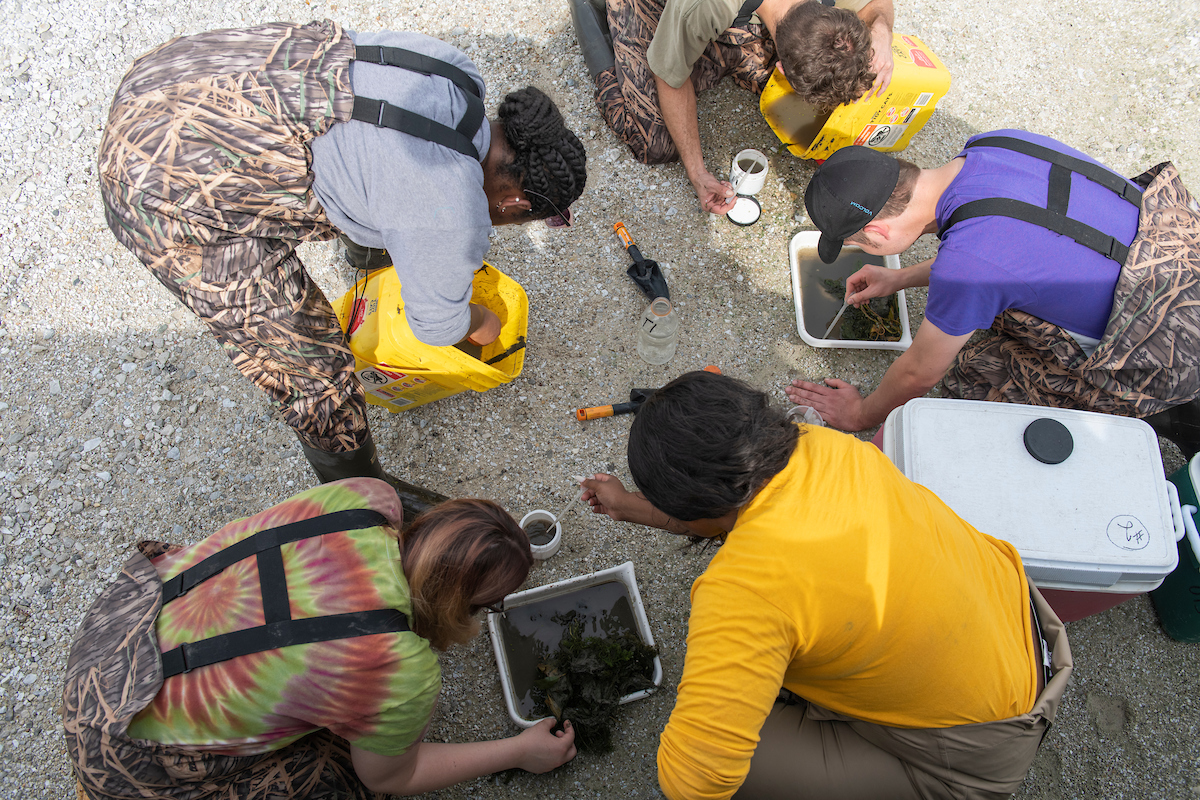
x,y
622,573
807,240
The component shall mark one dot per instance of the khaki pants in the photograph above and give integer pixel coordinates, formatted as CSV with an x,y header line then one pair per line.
x,y
806,751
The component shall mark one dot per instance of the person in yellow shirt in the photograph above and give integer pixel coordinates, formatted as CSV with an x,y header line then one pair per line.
x,y
852,637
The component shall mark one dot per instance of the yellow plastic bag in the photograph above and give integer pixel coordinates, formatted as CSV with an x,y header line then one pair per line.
x,y
399,372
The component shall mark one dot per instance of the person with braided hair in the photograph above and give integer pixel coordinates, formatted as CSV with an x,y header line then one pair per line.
x,y
226,149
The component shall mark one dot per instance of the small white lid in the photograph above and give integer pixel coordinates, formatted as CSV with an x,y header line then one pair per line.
x,y
746,211
1099,520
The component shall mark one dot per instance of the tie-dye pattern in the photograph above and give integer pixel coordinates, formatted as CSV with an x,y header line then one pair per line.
x,y
376,691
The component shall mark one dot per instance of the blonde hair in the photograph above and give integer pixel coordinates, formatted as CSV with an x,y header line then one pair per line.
x,y
459,556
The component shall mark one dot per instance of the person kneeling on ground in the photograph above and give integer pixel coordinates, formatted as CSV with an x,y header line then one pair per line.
x,y
650,58
289,654
1089,282
852,637
226,149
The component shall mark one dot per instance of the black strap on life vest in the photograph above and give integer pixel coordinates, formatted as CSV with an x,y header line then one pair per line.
x,y
750,6
279,629
1058,194
385,115
745,13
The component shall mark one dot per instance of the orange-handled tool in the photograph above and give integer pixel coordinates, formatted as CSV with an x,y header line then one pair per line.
x,y
636,398
596,412
628,243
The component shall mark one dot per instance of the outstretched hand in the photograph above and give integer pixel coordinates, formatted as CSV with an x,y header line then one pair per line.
x,y
607,495
716,196
838,403
543,748
869,282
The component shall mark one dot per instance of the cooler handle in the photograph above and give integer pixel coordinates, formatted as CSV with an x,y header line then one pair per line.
x,y
1189,523
1177,513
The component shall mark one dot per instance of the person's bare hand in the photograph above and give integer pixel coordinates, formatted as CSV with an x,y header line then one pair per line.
x,y
869,282
716,196
485,325
881,59
607,495
544,749
838,403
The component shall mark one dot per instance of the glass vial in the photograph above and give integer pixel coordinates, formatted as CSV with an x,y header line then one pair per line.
x,y
658,333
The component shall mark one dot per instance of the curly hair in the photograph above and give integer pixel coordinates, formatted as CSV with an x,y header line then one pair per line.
x,y
704,445
459,556
825,53
548,158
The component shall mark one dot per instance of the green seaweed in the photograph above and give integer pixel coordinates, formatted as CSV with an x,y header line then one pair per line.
x,y
587,676
878,320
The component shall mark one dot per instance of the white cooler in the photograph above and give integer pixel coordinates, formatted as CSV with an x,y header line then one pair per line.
x,y
1085,502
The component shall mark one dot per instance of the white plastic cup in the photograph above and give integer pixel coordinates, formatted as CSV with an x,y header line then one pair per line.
x,y
806,414
543,551
748,174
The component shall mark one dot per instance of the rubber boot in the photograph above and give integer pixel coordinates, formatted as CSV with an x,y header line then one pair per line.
x,y
365,258
591,28
364,463
1180,424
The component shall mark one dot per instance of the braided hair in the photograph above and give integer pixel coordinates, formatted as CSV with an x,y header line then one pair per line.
x,y
547,157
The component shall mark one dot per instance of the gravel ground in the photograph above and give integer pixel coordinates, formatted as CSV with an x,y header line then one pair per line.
x,y
122,421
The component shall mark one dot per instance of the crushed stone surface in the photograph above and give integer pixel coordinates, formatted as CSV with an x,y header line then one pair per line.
x,y
121,420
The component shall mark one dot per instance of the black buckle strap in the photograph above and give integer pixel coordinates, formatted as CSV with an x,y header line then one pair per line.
x,y
1058,194
385,115
348,520
747,11
417,62
1093,172
275,635
1085,235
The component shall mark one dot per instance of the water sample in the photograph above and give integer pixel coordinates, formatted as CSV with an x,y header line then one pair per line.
x,y
658,332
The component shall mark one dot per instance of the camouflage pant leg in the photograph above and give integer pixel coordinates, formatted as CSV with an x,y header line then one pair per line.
x,y
1149,357
1022,363
114,671
627,95
204,177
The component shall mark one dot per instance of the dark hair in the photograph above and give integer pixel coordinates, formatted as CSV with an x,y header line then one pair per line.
x,y
459,556
705,444
547,157
898,201
825,53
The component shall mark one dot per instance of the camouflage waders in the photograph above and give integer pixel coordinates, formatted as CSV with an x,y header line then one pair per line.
x,y
204,173
114,671
627,95
1149,357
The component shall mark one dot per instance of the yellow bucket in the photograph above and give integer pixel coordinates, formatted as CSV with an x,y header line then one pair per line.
x,y
399,372
883,123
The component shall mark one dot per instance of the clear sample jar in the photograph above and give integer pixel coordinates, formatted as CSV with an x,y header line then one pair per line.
x,y
658,332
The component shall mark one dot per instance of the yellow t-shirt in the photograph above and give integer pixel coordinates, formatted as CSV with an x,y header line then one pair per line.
x,y
858,590
687,26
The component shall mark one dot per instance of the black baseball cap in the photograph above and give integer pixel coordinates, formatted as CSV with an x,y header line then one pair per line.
x,y
846,193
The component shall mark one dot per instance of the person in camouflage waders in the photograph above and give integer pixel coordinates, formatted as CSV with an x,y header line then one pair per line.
x,y
225,150
650,58
292,654
1088,282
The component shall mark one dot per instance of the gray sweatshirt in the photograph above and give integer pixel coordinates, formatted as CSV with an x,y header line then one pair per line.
x,y
422,202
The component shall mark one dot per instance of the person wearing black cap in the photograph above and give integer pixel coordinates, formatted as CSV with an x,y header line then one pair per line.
x,y
1089,282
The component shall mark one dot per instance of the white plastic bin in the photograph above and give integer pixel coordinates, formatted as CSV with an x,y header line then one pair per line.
x,y
803,246
622,573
